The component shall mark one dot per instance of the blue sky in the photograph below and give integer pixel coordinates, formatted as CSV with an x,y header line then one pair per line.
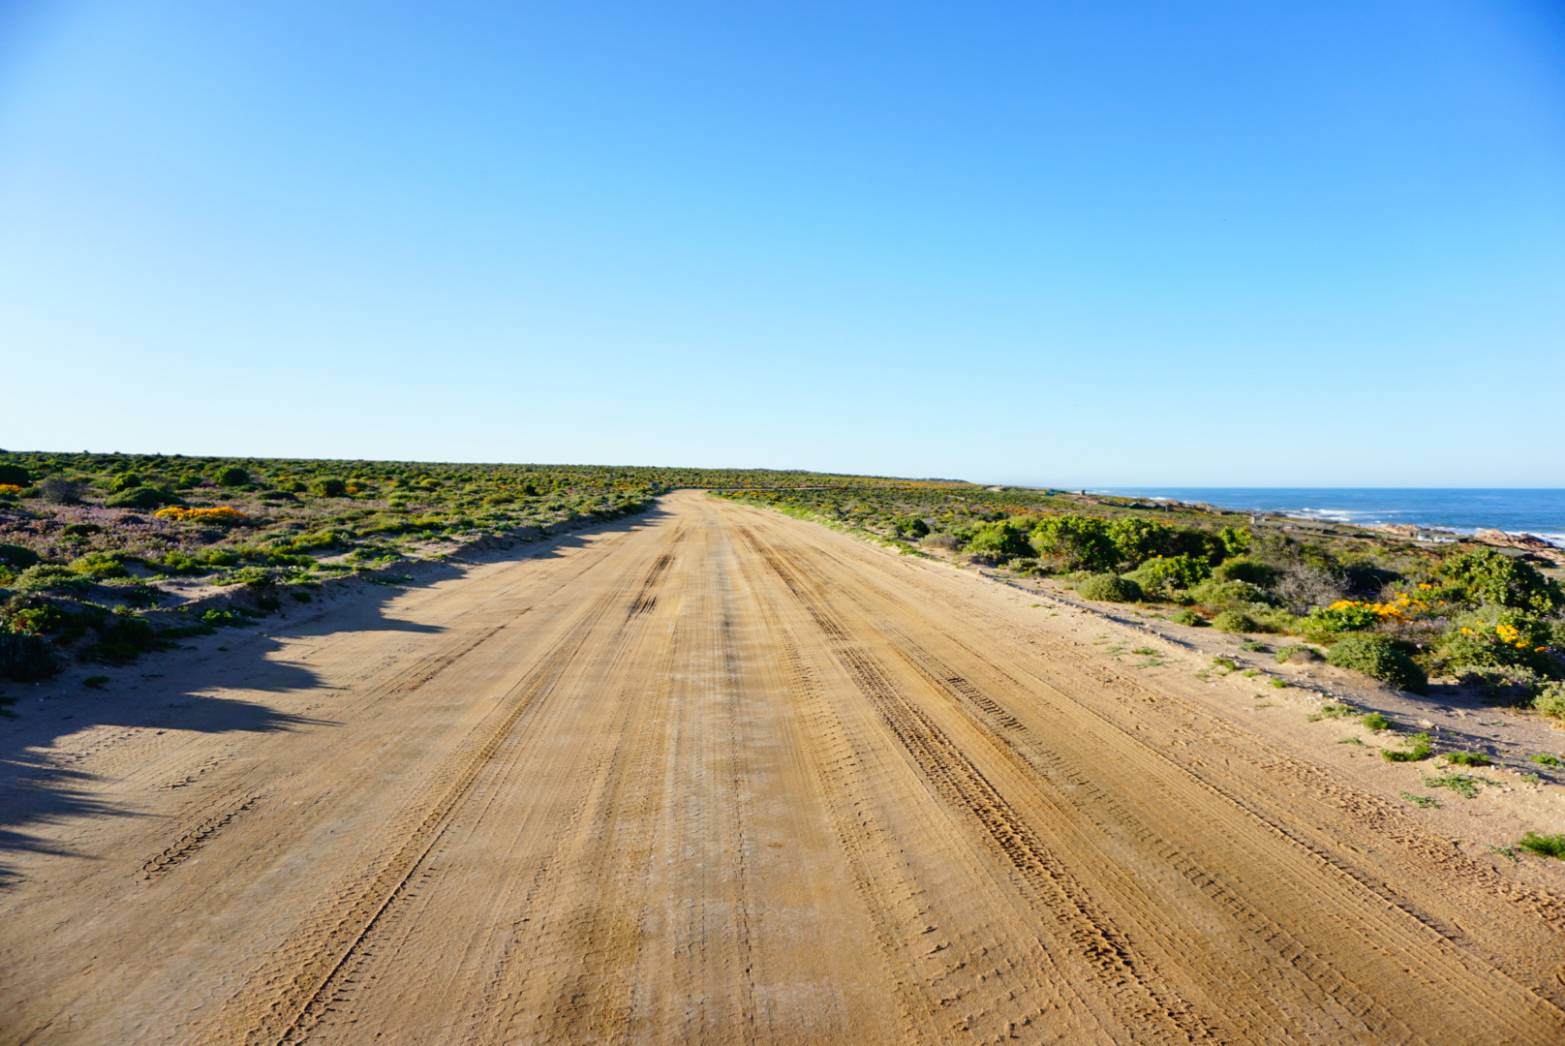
x,y
1073,243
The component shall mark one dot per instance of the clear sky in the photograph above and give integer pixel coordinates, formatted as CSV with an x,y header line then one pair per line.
x,y
1198,242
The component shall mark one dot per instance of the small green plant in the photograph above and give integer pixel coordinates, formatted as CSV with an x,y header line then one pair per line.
x,y
95,682
1543,845
1236,621
1280,684
1419,747
1507,852
1545,759
1188,617
1225,665
1254,646
1468,759
1330,710
1109,588
1352,741
1375,721
1380,657
1296,652
1425,801
1551,701
1464,785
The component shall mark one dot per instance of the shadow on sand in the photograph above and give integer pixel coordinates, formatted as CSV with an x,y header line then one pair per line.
x,y
40,787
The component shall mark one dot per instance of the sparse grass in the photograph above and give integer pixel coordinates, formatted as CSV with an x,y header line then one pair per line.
x,y
1468,759
1464,785
1352,741
1251,673
1545,759
1544,845
1225,664
1425,801
1418,749
1507,852
1145,651
1333,711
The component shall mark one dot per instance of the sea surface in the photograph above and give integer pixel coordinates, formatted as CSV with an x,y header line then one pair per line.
x,y
1512,509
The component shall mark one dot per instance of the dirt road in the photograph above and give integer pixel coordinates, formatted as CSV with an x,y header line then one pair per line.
x,y
722,775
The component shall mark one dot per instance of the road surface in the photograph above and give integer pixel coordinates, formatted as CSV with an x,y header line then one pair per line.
x,y
721,775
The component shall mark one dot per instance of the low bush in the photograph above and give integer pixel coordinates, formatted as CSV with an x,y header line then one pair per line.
x,y
1237,595
100,565
1544,845
330,487
15,475
1243,568
1234,621
1489,577
1297,652
17,557
1075,542
1379,657
1168,577
1186,616
47,577
26,658
1419,747
999,541
142,498
1109,588
1550,700
233,476
61,491
1323,624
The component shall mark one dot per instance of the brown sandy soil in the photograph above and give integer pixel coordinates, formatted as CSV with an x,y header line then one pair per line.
x,y
717,774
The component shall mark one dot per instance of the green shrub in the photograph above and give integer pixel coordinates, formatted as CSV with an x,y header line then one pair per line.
x,y
1167,577
121,639
1468,759
1234,621
1419,747
1297,652
233,476
1551,700
1109,588
1323,624
1137,540
1496,642
1234,594
26,658
1544,845
909,528
331,488
1075,542
143,498
17,557
15,475
1486,576
45,577
1379,657
99,565
1236,542
1186,616
1375,721
1001,540
126,481
1245,569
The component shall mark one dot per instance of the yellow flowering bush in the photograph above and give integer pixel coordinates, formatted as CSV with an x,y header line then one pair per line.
x,y
222,515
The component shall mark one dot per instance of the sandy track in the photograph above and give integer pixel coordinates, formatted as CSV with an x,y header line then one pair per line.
x,y
722,775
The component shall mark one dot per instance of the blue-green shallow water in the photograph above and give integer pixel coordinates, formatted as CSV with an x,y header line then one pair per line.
x,y
1515,510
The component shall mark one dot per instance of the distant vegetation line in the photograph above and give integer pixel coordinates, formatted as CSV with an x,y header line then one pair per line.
x,y
106,556
1407,613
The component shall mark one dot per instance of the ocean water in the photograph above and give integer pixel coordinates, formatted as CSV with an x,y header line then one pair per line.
x,y
1512,509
